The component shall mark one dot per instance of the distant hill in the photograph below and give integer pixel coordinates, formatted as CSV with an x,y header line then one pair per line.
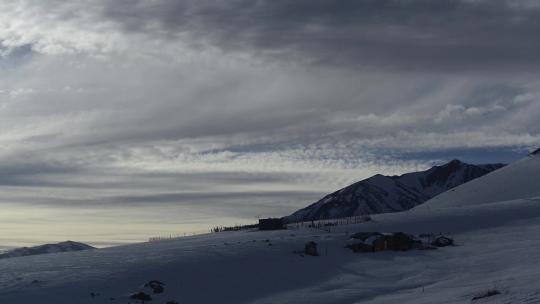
x,y
45,249
383,194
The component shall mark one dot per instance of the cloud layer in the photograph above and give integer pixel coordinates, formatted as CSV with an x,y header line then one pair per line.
x,y
268,103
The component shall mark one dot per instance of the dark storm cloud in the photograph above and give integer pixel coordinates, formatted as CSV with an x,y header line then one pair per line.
x,y
423,34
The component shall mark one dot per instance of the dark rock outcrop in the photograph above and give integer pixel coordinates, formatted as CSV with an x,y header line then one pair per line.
x,y
156,286
141,296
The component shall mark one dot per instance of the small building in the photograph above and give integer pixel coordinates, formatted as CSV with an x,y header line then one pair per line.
x,y
271,224
364,235
367,242
376,241
400,241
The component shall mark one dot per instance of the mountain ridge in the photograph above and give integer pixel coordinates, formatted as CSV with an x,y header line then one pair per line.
x,y
520,180
384,194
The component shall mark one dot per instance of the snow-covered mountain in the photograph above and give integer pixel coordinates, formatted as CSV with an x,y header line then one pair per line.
x,y
45,249
520,180
383,194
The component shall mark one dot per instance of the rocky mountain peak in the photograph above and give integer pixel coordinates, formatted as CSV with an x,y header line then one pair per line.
x,y
382,194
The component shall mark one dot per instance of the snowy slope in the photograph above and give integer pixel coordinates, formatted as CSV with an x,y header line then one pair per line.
x,y
46,249
383,194
494,249
518,180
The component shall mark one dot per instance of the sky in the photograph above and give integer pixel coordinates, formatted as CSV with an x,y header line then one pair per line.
x,y
125,119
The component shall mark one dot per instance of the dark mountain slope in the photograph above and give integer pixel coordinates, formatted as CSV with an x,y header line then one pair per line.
x,y
382,194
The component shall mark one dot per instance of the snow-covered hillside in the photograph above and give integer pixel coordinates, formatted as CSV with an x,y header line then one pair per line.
x,y
382,194
518,180
495,250
46,249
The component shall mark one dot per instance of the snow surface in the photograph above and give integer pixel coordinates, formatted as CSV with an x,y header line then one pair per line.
x,y
496,248
519,180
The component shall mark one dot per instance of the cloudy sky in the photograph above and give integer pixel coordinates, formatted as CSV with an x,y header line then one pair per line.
x,y
130,118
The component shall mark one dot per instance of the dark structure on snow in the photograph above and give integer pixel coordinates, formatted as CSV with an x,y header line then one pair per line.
x,y
376,241
311,249
271,224
442,241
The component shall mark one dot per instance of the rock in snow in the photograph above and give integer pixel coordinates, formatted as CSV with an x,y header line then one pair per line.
x,y
45,249
384,194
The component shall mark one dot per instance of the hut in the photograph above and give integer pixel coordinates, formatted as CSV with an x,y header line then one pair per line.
x,y
367,242
399,241
271,224
363,235
376,241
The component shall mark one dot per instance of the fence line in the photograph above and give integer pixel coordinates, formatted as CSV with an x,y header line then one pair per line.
x,y
324,224
177,235
330,222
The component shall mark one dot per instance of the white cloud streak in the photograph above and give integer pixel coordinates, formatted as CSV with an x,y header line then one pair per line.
x,y
135,102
